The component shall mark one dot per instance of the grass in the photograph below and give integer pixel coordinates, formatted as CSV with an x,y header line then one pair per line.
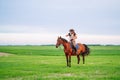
x,y
48,63
32,50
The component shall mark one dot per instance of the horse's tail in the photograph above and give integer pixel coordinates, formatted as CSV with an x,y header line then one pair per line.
x,y
87,50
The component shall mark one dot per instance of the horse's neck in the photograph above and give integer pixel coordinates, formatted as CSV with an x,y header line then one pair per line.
x,y
65,45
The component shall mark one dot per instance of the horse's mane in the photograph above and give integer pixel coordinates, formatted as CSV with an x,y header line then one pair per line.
x,y
64,40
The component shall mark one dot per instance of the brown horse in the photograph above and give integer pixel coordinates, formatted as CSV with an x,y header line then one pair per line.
x,y
82,50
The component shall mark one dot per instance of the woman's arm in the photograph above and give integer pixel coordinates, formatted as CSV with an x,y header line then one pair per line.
x,y
68,35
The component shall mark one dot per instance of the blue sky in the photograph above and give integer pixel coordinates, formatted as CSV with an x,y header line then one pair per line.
x,y
56,17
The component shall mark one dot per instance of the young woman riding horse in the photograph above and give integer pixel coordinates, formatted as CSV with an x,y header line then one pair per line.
x,y
82,50
72,36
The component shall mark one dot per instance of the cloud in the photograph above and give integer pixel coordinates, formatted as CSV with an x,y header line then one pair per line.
x,y
26,38
99,39
48,38
58,16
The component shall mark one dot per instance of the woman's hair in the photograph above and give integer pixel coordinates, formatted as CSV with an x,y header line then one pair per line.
x,y
72,30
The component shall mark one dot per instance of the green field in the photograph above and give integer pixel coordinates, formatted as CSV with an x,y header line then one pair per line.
x,y
49,63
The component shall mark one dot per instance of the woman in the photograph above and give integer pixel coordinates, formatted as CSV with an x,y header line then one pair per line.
x,y
72,36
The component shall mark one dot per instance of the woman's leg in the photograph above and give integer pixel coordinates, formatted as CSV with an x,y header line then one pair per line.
x,y
74,45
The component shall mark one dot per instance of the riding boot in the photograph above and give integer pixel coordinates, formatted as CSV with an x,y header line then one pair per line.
x,y
75,49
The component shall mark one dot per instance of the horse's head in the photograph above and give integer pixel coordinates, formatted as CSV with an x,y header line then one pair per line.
x,y
59,42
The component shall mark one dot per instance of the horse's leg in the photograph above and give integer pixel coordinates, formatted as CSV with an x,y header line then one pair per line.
x,y
78,57
83,59
67,60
